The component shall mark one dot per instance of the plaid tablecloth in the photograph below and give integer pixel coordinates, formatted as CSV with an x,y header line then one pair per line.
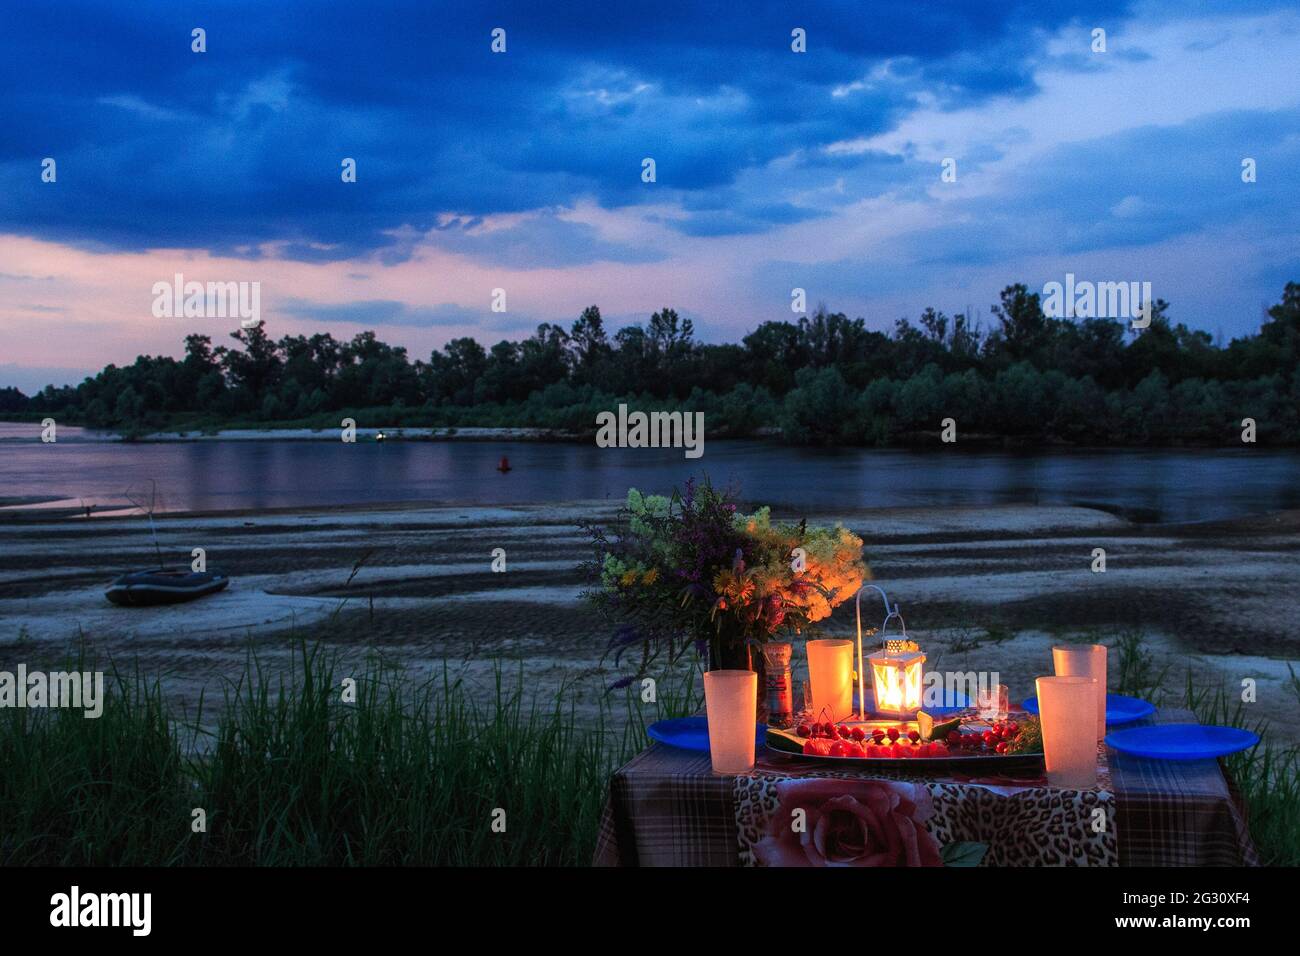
x,y
666,807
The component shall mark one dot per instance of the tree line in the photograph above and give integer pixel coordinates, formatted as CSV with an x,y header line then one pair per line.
x,y
824,379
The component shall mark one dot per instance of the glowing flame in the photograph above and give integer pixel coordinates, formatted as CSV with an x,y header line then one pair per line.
x,y
897,684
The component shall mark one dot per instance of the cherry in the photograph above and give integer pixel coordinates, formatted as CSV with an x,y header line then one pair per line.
x,y
892,732
990,737
803,730
954,737
1001,747
859,734
914,735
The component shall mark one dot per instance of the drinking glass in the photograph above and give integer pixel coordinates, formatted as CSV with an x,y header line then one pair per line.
x,y
1085,660
1066,710
830,670
730,699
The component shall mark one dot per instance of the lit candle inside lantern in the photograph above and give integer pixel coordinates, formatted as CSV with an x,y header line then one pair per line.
x,y
730,703
897,678
830,671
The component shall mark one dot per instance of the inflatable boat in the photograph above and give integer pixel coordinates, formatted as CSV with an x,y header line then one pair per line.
x,y
145,588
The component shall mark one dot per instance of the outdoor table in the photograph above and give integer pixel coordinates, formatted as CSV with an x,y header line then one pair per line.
x,y
666,807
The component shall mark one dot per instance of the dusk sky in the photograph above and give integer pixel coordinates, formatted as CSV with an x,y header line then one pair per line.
x,y
523,170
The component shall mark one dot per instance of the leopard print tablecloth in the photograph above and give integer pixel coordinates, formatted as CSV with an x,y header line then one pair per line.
x,y
1022,824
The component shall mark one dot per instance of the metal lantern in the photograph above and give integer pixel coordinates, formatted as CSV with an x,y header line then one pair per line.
x,y
897,674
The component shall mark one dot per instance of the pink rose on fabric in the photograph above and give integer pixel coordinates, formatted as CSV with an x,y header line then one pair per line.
x,y
850,823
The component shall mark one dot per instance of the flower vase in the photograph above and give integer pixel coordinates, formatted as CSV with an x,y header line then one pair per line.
x,y
731,649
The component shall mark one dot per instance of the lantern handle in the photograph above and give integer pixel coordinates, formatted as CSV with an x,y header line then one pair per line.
x,y
901,623
862,663
890,613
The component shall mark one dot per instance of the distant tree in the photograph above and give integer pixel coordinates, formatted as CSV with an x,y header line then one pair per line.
x,y
455,370
254,370
12,400
1022,326
589,342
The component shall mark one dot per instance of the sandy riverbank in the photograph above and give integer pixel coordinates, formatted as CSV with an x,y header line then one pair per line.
x,y
981,588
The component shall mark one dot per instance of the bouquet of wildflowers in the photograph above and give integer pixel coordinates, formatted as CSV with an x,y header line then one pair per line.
x,y
691,571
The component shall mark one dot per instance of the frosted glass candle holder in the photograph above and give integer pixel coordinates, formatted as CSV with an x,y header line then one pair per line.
x,y
1065,707
1085,660
830,671
730,702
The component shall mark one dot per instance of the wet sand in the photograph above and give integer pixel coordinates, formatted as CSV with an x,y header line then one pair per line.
x,y
980,588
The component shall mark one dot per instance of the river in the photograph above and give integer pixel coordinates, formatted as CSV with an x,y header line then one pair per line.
x,y
1164,485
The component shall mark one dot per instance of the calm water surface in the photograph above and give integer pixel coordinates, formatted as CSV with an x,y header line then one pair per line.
x,y
1169,485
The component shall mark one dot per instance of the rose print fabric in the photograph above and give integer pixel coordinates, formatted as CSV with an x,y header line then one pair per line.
x,y
835,820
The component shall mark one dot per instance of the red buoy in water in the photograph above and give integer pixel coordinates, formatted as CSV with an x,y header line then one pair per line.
x,y
504,466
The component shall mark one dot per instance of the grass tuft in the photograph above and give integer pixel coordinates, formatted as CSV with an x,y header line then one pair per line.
x,y
292,774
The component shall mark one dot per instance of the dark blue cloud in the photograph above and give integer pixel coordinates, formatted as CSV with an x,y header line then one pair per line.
x,y
158,146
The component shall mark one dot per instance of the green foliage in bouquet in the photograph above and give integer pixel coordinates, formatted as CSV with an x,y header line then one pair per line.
x,y
691,571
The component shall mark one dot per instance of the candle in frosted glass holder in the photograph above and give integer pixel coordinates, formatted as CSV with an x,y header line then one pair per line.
x,y
830,671
1085,660
1066,710
730,703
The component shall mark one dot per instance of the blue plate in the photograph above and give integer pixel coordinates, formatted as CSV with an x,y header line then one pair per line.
x,y
1119,709
692,733
1181,741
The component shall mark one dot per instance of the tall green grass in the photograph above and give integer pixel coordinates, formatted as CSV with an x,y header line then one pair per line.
x,y
289,773
93,791
410,773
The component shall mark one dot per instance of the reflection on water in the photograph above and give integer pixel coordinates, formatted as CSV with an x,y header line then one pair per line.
x,y
1170,485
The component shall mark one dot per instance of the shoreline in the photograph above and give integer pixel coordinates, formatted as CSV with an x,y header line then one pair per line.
x,y
909,441
983,588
